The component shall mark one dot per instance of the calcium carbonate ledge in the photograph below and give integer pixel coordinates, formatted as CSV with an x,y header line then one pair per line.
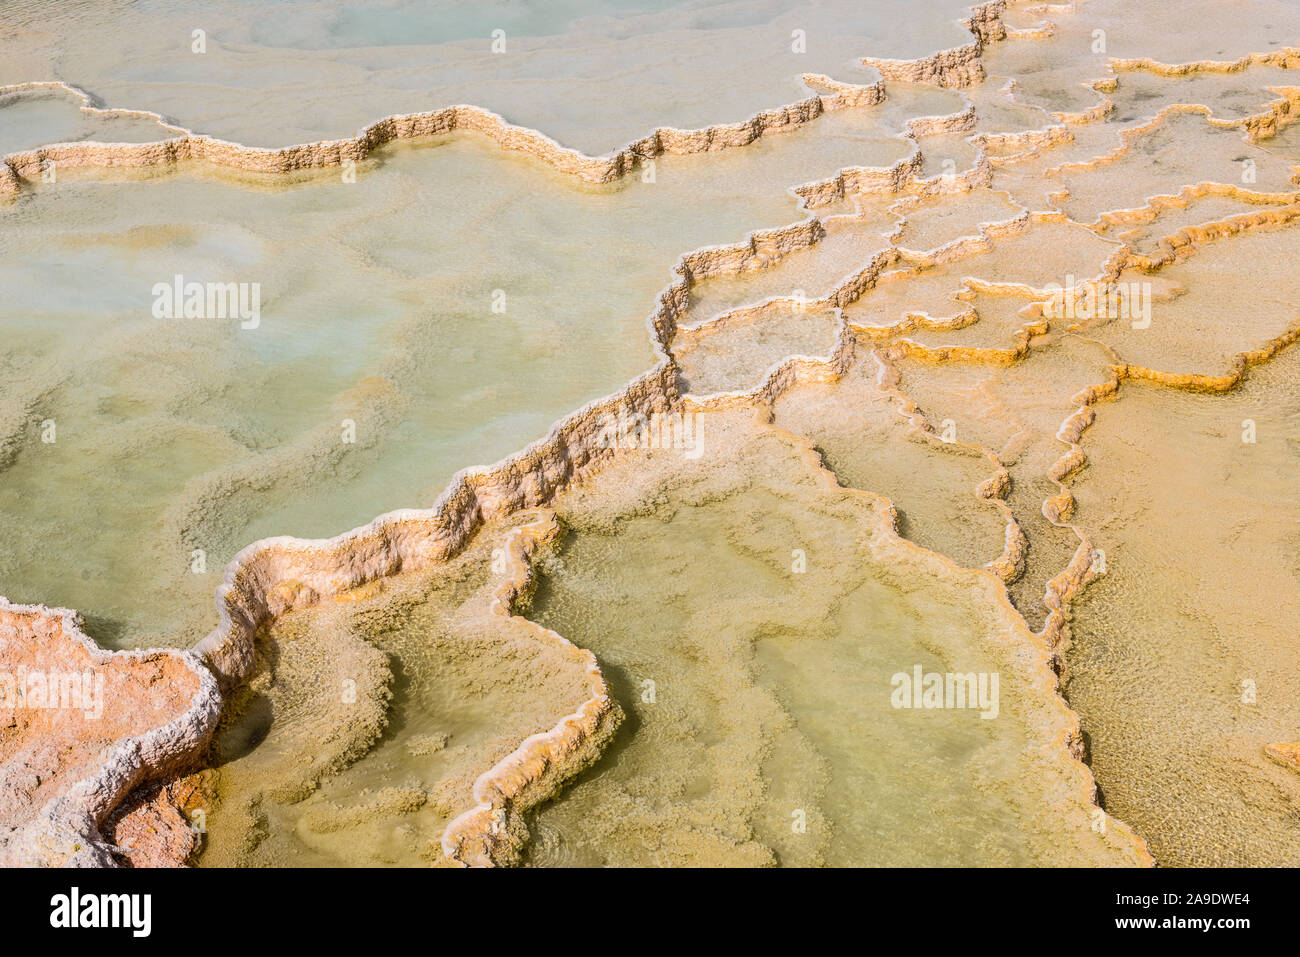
x,y
272,576
957,67
1063,722
493,831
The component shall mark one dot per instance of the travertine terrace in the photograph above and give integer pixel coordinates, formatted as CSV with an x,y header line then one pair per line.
x,y
72,754
907,396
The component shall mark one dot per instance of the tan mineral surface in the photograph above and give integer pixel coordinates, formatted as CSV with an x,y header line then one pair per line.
x,y
970,353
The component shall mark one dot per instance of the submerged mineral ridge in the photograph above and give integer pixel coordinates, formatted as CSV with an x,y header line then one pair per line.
x,y
947,516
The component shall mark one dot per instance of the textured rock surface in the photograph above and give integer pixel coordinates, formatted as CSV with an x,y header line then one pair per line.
x,y
65,777
69,758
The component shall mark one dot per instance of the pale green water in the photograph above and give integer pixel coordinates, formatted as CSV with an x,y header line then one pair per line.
x,y
595,76
451,304
758,690
1184,664
865,440
33,118
768,608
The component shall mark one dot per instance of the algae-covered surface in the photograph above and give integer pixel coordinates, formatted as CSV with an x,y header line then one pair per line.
x,y
651,433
